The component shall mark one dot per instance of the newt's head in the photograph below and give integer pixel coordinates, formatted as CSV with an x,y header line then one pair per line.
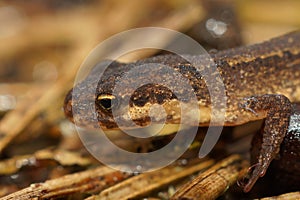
x,y
126,95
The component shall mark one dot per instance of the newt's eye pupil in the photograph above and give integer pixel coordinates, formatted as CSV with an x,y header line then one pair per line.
x,y
106,101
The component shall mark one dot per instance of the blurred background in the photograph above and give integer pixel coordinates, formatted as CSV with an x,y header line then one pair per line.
x,y
43,43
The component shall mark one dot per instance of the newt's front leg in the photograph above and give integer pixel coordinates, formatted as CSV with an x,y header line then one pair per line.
x,y
278,108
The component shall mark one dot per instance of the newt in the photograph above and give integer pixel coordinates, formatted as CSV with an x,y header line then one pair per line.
x,y
260,80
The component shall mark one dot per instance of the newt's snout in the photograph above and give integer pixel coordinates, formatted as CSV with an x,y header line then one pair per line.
x,y
68,110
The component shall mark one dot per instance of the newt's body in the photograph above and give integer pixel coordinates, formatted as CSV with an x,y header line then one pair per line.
x,y
260,82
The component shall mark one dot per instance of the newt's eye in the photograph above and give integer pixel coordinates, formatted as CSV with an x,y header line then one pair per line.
x,y
106,101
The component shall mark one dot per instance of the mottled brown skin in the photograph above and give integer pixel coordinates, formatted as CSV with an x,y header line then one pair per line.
x,y
260,82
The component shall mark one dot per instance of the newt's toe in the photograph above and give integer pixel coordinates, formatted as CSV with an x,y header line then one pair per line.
x,y
254,173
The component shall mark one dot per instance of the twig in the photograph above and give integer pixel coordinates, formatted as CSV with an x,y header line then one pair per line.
x,y
287,196
92,180
213,182
63,157
145,183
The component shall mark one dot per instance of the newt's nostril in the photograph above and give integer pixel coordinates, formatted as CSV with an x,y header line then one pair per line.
x,y
69,107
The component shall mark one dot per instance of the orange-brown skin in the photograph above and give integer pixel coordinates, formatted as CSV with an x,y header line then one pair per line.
x,y
260,82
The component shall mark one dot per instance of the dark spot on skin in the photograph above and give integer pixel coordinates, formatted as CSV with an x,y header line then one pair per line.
x,y
151,93
160,98
139,101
